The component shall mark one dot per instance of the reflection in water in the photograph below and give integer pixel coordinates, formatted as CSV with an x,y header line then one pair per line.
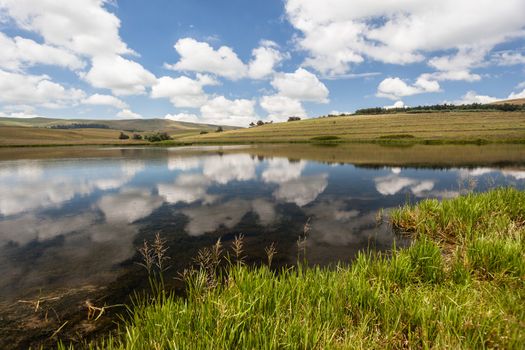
x,y
70,222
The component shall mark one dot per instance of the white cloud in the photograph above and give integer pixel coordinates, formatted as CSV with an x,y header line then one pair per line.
x,y
18,53
188,188
397,104
265,58
393,183
128,206
279,108
472,97
508,58
183,91
120,75
39,90
394,88
105,100
220,110
197,56
301,85
338,33
515,95
280,170
82,26
127,114
183,117
303,190
22,115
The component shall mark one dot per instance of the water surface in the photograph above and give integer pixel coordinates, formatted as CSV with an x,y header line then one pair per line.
x,y
76,221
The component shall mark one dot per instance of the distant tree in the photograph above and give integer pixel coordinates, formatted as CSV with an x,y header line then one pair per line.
x,y
293,119
252,124
203,132
137,137
219,129
123,136
160,136
260,122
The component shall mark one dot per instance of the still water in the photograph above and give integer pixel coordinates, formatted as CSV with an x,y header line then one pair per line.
x,y
76,221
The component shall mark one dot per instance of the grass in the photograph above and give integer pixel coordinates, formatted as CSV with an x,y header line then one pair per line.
x,y
460,284
450,127
402,128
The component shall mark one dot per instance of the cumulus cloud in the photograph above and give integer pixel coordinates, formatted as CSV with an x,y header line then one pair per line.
x,y
393,183
84,26
188,188
301,85
104,100
128,114
120,75
394,88
183,91
183,117
265,58
279,108
515,95
19,53
397,104
25,89
303,190
339,33
220,110
508,58
197,56
472,97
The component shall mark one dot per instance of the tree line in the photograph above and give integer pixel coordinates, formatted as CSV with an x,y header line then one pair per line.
x,y
506,107
79,126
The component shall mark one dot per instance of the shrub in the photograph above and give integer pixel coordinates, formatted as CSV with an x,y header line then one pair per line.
x,y
123,136
137,137
219,129
203,132
160,136
293,119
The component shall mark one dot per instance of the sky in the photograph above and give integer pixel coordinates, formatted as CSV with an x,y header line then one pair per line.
x,y
232,62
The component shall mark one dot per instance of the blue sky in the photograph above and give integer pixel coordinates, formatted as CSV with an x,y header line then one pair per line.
x,y
236,61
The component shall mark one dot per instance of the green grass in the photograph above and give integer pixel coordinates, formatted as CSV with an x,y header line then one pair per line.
x,y
459,285
421,128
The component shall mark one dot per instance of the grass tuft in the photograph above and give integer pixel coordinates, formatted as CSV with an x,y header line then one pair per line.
x,y
460,284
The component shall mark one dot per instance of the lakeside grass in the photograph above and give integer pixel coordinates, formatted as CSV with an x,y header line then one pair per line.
x,y
434,128
402,128
460,284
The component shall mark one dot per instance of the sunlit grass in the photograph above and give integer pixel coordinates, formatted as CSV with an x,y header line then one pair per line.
x,y
460,284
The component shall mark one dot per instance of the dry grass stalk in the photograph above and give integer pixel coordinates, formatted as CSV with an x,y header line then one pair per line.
x,y
147,257
270,253
159,250
238,244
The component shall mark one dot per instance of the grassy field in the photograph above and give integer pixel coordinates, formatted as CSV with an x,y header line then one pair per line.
x,y
459,285
28,136
431,128
38,131
139,125
402,128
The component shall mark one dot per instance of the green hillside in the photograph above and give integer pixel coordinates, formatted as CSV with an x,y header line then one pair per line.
x,y
140,125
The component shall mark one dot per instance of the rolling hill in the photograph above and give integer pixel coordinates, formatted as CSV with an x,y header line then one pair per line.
x,y
435,127
44,131
516,101
139,125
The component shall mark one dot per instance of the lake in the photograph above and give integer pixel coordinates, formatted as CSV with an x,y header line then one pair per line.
x,y
71,219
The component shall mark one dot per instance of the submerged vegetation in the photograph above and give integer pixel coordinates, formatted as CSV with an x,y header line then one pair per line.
x,y
460,284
